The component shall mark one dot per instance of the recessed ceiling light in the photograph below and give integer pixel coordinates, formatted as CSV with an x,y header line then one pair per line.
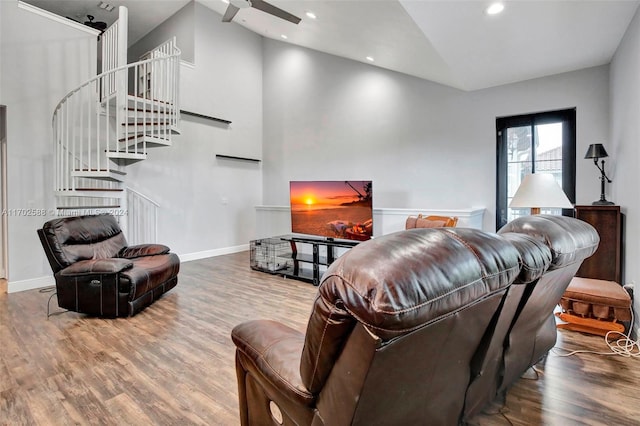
x,y
311,15
495,8
369,58
106,6
283,36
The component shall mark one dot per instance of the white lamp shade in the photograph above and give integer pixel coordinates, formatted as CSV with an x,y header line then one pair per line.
x,y
540,190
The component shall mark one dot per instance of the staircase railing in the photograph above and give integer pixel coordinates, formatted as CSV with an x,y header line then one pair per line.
x,y
86,122
155,86
142,214
114,53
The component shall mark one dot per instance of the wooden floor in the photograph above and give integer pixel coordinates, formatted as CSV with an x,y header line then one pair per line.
x,y
173,363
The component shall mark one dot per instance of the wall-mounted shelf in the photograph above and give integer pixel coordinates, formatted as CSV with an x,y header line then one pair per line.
x,y
232,157
208,117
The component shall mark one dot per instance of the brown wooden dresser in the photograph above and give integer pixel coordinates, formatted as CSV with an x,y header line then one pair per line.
x,y
606,262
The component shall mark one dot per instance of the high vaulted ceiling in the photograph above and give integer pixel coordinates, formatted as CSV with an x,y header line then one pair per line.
x,y
453,42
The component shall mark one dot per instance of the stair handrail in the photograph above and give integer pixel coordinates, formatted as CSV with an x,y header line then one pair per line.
x,y
141,195
176,54
135,231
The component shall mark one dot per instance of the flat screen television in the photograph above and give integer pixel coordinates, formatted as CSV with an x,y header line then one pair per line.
x,y
332,209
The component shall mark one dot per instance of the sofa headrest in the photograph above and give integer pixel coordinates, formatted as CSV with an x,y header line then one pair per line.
x,y
70,239
400,282
570,240
535,256
407,279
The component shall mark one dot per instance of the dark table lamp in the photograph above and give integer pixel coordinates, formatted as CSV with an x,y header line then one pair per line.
x,y
597,151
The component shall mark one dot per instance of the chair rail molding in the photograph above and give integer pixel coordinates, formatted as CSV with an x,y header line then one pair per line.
x,y
276,220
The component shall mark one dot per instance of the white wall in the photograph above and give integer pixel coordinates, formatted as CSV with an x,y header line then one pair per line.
x,y
622,147
179,25
42,60
207,204
424,145
308,115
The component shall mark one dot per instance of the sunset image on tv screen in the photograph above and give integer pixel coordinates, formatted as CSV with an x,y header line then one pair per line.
x,y
335,209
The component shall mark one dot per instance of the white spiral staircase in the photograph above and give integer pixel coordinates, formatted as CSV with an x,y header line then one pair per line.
x,y
110,122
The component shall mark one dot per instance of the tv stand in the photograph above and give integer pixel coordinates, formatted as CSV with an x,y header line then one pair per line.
x,y
289,256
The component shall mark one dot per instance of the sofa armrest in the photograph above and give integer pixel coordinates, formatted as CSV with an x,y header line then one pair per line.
x,y
96,266
274,350
142,250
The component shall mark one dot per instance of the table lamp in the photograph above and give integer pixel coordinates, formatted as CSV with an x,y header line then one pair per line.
x,y
597,151
540,190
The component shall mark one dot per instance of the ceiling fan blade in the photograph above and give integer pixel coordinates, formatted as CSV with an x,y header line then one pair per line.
x,y
275,11
230,13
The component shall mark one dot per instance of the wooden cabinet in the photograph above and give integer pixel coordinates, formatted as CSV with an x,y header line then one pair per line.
x,y
606,262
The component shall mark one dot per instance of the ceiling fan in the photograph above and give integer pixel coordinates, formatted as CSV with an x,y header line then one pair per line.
x,y
236,5
98,25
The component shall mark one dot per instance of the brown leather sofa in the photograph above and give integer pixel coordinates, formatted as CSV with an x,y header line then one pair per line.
x,y
523,330
533,329
96,273
406,327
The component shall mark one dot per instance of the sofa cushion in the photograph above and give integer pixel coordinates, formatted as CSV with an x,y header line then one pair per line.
x,y
141,250
97,266
428,223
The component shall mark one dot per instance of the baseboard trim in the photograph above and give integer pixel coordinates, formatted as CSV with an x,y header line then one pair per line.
x,y
30,284
212,253
34,283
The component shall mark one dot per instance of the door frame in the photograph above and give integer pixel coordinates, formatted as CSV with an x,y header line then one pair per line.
x,y
568,118
4,218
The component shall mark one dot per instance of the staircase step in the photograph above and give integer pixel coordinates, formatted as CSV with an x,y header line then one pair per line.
x,y
101,189
140,129
149,114
139,139
114,206
110,174
92,192
125,158
147,104
156,122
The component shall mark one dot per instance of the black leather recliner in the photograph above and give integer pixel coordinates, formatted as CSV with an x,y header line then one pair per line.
x,y
96,272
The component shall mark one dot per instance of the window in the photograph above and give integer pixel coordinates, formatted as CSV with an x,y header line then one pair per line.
x,y
534,143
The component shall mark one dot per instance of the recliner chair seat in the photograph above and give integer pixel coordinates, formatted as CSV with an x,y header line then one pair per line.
x,y
147,272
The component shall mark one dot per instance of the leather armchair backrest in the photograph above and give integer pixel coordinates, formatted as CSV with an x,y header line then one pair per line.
x,y
487,363
71,239
417,378
570,240
533,330
402,282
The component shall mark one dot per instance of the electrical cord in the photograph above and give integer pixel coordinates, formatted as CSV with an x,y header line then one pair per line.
x,y
624,346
